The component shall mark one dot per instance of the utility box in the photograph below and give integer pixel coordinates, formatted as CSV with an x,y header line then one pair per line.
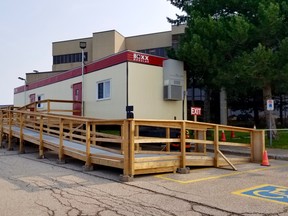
x,y
174,79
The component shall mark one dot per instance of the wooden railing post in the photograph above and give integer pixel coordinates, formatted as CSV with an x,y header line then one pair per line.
x,y
216,146
61,137
125,146
10,148
41,145
70,130
94,134
168,136
258,145
1,128
183,145
132,148
48,106
21,146
128,147
136,133
183,169
88,165
201,135
124,143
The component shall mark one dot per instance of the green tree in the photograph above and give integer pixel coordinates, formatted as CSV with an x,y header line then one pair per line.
x,y
236,44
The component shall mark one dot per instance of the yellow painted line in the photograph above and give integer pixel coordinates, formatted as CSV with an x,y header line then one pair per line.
x,y
218,176
240,192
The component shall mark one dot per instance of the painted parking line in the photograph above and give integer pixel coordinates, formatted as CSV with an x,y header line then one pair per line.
x,y
272,193
234,173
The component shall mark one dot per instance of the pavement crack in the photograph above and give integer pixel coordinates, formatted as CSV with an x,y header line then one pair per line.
x,y
49,211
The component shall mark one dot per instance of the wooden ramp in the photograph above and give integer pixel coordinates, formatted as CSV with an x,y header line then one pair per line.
x,y
133,145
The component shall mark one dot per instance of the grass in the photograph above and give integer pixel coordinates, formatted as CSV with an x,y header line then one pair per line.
x,y
281,142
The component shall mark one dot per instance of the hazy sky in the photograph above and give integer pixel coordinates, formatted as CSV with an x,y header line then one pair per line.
x,y
29,27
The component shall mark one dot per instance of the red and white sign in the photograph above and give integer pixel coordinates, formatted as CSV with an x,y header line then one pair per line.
x,y
140,58
196,111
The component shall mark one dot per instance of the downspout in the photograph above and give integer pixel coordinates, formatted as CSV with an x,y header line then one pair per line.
x,y
127,87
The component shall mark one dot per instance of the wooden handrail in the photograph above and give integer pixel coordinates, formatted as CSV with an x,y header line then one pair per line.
x,y
84,130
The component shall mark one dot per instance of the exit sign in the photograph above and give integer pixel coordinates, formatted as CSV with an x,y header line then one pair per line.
x,y
196,111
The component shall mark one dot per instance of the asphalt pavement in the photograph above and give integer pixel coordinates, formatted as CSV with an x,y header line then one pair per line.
x,y
31,186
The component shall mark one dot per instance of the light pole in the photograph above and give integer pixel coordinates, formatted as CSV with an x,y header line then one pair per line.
x,y
82,45
20,78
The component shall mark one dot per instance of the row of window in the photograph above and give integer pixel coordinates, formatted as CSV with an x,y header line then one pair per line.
x,y
69,58
77,57
162,51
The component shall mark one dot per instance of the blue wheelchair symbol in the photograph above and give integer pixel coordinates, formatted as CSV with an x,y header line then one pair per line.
x,y
270,192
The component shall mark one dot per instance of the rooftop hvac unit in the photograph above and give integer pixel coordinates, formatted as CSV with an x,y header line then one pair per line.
x,y
173,92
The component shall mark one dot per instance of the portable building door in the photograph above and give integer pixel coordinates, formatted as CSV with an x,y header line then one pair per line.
x,y
32,98
77,96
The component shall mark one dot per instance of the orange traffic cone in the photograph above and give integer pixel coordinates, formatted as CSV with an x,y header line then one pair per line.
x,y
223,137
232,135
265,161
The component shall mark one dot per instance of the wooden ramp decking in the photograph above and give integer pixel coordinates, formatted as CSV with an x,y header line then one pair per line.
x,y
123,143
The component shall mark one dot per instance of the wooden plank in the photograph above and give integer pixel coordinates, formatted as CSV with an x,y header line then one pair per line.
x,y
216,146
227,160
107,162
21,140
156,158
88,159
132,147
157,164
108,140
60,152
75,155
156,140
155,152
155,170
198,162
209,142
41,146
235,144
167,148
183,145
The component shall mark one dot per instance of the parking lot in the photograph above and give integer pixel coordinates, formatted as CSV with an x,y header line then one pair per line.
x,y
30,186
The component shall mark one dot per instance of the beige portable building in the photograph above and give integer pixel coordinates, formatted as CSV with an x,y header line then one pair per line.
x,y
154,86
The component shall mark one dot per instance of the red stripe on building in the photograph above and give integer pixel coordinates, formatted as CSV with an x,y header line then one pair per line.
x,y
95,66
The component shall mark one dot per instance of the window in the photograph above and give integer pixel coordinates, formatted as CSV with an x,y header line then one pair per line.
x,y
103,90
69,58
161,51
39,98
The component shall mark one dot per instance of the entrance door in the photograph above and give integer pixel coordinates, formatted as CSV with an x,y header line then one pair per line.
x,y
32,99
77,96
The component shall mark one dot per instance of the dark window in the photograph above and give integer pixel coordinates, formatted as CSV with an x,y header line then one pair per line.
x,y
100,90
161,51
104,90
69,58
